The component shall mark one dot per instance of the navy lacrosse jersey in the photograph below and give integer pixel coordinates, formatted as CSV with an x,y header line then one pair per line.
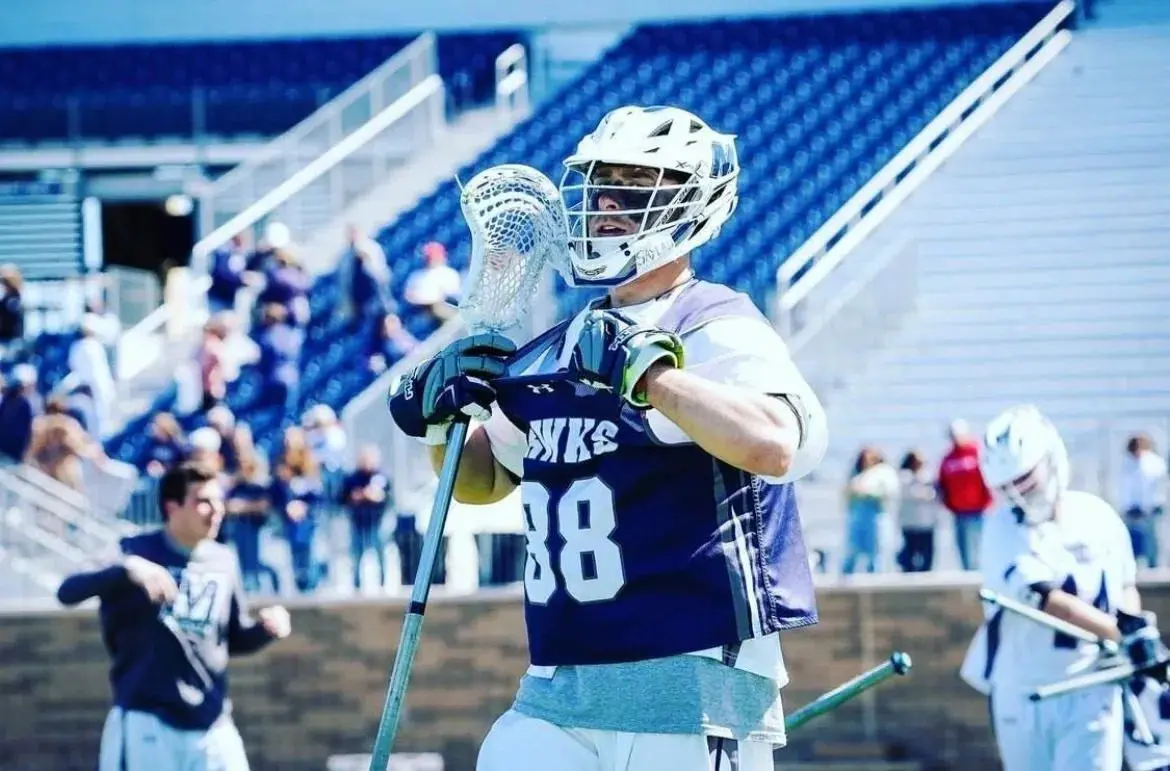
x,y
639,547
171,660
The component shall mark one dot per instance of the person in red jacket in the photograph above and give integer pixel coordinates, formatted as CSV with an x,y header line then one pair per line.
x,y
962,490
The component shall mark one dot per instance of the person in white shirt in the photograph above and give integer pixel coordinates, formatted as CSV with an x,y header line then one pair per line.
x,y
89,360
436,286
918,512
1142,496
1066,553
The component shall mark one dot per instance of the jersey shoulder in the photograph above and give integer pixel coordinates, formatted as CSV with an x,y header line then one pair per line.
x,y
1091,513
704,301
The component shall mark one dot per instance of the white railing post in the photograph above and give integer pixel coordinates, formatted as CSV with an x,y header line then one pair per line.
x,y
512,80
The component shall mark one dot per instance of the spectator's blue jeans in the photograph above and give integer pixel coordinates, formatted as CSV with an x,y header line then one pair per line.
x,y
307,572
968,538
864,541
367,536
246,534
1143,534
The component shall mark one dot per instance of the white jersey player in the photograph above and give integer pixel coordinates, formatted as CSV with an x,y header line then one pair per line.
x,y
1068,554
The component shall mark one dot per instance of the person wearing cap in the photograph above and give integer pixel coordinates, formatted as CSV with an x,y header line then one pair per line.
x,y
964,493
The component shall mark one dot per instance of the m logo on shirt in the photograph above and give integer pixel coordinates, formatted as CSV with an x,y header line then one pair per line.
x,y
200,597
570,440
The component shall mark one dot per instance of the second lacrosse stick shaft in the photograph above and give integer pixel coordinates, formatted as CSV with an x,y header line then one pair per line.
x,y
412,624
898,664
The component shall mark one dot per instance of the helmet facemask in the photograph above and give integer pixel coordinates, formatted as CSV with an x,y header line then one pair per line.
x,y
1033,495
625,220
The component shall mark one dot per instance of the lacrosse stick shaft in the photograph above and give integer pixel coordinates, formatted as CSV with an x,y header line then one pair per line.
x,y
1047,619
420,590
1108,676
898,664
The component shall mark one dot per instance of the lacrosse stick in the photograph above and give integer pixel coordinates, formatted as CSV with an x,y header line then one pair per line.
x,y
1112,667
898,664
517,227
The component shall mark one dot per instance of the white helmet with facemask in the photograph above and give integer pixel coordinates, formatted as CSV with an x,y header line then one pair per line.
x,y
646,187
1025,460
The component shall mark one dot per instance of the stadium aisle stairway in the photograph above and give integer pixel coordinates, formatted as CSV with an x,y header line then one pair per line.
x,y
819,103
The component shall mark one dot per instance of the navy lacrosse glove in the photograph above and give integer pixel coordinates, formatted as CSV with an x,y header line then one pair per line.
x,y
454,382
613,353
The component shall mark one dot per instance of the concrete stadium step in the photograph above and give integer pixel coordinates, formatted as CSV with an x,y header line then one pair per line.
x,y
1007,169
1054,224
938,330
935,263
1106,193
927,368
1035,386
991,353
969,177
1061,308
980,407
1140,136
1052,279
1061,206
1091,242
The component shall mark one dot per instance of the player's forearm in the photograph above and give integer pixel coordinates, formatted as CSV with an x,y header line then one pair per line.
x,y
248,639
1077,612
80,587
749,430
480,480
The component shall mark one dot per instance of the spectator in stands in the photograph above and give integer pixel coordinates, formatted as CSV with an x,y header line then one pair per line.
x,y
229,274
366,493
964,493
871,494
433,289
327,442
390,342
280,354
1142,496
107,328
206,445
212,357
918,514
11,313
296,490
90,362
364,276
223,421
248,505
59,446
287,284
167,448
19,407
79,402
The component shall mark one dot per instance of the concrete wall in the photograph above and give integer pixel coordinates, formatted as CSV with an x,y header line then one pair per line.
x,y
320,691
40,22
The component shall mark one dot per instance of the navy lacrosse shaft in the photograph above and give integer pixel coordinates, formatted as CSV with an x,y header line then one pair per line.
x,y
898,664
412,624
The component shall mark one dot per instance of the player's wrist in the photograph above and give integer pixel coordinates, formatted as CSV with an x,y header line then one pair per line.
x,y
655,383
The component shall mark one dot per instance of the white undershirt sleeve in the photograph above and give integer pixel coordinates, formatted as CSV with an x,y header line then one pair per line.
x,y
748,353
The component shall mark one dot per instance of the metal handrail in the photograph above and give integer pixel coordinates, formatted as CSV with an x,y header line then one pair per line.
x,y
860,207
512,79
424,44
71,513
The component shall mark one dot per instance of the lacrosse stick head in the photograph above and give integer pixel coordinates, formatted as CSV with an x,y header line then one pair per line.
x,y
517,226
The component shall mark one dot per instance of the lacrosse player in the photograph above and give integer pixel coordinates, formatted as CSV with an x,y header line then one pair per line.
x,y
1068,554
655,438
172,610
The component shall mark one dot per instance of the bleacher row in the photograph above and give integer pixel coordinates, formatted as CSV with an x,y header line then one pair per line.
x,y
227,89
819,103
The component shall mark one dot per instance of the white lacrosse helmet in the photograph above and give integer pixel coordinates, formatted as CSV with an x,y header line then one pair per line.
x,y
1025,460
648,186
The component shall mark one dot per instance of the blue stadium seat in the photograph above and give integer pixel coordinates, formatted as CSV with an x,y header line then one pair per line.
x,y
246,88
820,104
